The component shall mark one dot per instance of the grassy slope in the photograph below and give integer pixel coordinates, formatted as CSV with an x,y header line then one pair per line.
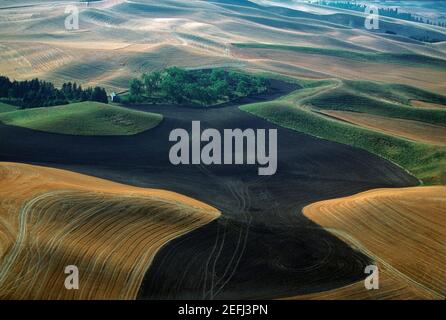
x,y
414,60
86,118
426,162
6,107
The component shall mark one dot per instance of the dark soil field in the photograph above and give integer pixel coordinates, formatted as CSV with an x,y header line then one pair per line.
x,y
262,246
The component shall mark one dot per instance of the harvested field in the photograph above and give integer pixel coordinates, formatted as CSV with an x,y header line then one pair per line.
x,y
409,129
34,41
403,230
428,105
339,67
391,288
50,219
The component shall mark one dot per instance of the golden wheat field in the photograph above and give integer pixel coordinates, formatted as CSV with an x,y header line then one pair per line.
x,y
402,230
51,218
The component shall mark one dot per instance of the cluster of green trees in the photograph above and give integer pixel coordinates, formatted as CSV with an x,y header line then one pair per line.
x,y
202,87
387,12
36,93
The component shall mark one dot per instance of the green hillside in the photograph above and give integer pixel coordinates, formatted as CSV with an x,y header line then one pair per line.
x,y
6,107
298,111
85,118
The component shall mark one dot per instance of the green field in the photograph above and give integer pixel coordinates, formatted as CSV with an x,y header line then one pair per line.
x,y
6,107
296,111
408,59
85,118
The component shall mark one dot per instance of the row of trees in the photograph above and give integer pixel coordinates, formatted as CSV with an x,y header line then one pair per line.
x,y
37,93
387,12
203,87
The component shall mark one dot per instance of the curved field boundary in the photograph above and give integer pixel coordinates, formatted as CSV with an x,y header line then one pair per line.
x,y
50,219
426,105
408,129
391,288
403,230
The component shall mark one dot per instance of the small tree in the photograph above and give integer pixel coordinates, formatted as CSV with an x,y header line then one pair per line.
x,y
151,82
242,88
136,88
99,95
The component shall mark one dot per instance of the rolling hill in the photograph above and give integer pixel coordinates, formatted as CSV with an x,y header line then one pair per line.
x,y
366,111
129,37
50,219
406,137
85,118
401,230
7,107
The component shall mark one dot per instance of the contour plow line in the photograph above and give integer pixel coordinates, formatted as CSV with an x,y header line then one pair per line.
x,y
382,263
